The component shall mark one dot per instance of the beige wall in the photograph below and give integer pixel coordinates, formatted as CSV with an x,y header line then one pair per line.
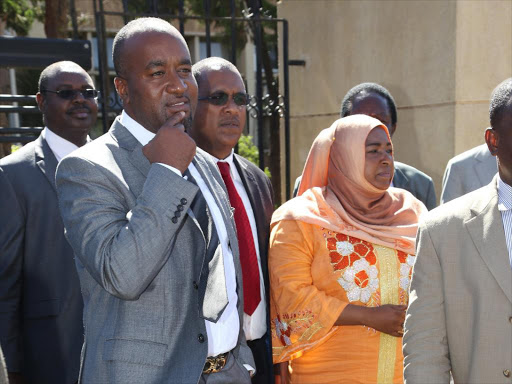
x,y
439,59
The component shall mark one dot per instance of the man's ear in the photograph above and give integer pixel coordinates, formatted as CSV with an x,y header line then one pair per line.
x,y
40,101
122,89
492,140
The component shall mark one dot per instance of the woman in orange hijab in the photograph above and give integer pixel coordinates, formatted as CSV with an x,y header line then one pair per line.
x,y
340,261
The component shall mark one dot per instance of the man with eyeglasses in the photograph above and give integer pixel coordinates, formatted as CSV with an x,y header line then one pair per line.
x,y
218,124
41,329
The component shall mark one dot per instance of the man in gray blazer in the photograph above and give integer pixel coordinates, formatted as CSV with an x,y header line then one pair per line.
x,y
467,172
41,329
156,253
374,100
459,316
218,125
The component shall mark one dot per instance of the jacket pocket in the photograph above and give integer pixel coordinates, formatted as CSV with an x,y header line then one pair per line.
x,y
135,351
43,308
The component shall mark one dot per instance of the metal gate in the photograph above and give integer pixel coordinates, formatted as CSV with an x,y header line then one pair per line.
x,y
269,107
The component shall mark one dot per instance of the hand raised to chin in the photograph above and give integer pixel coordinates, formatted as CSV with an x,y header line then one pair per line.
x,y
171,144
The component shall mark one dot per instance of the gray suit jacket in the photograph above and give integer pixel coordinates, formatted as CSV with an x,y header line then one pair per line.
x,y
416,182
461,295
467,172
41,329
139,270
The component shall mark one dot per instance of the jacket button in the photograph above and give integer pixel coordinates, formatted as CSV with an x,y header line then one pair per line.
x,y
183,201
195,285
174,219
200,338
180,207
506,373
510,319
177,213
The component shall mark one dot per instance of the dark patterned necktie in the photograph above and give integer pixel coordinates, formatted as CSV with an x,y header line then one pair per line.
x,y
248,258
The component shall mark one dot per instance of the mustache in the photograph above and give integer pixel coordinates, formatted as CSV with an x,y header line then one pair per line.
x,y
80,107
230,120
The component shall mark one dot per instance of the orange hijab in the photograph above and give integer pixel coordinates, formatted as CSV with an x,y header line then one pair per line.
x,y
335,195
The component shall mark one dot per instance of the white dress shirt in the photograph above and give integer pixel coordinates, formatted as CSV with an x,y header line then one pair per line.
x,y
255,325
505,208
222,335
59,146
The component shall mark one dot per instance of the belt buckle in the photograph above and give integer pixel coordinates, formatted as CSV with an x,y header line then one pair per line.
x,y
215,364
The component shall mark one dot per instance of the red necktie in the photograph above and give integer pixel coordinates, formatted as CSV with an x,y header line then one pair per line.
x,y
248,258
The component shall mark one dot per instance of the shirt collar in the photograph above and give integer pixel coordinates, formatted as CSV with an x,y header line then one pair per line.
x,y
59,145
228,159
142,134
504,195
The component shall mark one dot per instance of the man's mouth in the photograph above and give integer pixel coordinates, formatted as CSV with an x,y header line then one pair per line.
x,y
80,113
230,123
178,106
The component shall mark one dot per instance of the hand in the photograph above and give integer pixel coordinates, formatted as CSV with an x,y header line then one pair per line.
x,y
387,318
171,145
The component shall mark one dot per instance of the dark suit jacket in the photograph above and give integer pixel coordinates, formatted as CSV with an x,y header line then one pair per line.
x,y
41,329
261,195
416,182
408,178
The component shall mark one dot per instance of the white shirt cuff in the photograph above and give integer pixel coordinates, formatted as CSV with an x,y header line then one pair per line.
x,y
175,170
250,369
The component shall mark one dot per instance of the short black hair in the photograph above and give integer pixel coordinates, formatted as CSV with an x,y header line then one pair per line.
x,y
501,98
134,27
367,88
51,70
212,63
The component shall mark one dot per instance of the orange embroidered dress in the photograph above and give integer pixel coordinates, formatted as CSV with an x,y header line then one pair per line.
x,y
315,273
341,241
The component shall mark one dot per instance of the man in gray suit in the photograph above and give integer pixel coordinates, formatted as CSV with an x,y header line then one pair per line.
x,y
459,316
218,125
156,252
41,329
467,172
374,100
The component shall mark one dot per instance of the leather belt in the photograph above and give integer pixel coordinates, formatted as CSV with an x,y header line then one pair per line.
x,y
215,363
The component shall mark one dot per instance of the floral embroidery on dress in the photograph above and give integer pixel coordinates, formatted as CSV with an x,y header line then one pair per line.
x,y
406,264
356,259
360,281
300,324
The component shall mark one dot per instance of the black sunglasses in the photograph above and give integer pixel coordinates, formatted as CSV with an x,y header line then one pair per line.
x,y
70,94
221,98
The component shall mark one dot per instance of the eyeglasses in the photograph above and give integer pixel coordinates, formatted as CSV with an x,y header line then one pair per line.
x,y
70,94
221,98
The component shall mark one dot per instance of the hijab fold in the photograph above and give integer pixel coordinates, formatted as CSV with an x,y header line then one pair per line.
x,y
335,194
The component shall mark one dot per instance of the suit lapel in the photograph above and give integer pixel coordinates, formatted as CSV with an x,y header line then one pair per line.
x,y
486,231
127,141
45,160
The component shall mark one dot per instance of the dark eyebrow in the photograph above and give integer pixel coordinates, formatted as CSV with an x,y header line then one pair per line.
x,y
155,63
185,61
377,144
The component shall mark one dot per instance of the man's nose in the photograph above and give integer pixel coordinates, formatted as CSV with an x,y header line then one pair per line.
x,y
176,84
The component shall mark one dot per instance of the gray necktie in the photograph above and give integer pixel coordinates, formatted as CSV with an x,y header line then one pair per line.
x,y
212,284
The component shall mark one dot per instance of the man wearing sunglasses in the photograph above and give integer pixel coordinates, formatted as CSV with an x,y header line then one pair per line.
x,y
218,124
41,329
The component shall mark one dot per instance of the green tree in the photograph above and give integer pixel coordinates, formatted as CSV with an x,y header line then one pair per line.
x,y
19,15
